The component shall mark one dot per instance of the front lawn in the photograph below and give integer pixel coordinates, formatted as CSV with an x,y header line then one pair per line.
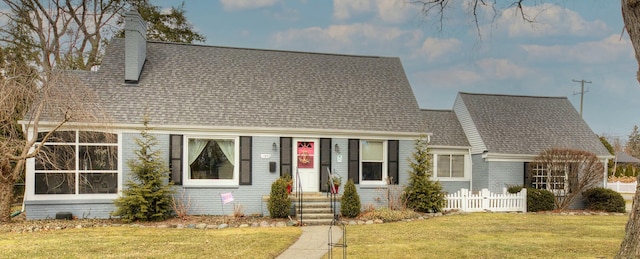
x,y
135,242
489,235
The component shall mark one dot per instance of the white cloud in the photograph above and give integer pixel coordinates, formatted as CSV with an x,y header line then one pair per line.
x,y
548,19
357,38
246,4
501,69
609,49
389,11
485,70
434,48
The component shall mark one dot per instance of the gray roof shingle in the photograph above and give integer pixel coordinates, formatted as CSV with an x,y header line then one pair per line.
x,y
445,128
513,124
195,85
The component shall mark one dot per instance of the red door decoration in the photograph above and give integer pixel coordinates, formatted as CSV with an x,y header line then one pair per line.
x,y
305,154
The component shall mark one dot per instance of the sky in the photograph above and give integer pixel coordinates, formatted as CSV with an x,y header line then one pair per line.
x,y
503,54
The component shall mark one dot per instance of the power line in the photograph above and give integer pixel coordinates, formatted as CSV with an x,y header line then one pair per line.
x,y
582,91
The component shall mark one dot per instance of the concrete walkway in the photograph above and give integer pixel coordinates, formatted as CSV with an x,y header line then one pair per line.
x,y
313,243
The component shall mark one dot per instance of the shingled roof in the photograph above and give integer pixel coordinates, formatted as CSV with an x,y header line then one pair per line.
x,y
195,85
445,128
510,124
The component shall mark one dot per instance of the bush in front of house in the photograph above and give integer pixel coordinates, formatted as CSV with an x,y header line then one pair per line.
x,y
148,196
279,202
514,188
604,199
540,200
350,203
422,194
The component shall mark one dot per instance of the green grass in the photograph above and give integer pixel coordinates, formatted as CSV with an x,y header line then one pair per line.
x,y
489,235
129,242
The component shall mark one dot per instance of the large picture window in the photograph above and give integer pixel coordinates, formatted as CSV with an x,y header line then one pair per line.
x,y
212,160
450,166
372,160
77,162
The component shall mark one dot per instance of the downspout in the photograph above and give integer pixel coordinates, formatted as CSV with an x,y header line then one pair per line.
x,y
470,171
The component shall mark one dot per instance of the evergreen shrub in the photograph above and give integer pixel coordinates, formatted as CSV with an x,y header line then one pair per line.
x,y
350,203
148,195
279,204
514,188
422,194
540,200
604,199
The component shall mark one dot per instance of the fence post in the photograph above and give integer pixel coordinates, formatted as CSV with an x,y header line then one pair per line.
x,y
485,198
463,194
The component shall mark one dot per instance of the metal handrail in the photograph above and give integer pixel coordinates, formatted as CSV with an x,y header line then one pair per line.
x,y
299,195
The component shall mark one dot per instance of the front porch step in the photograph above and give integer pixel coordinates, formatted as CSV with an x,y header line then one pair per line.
x,y
315,208
317,222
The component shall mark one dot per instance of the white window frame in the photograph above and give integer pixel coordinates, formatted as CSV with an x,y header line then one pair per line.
x,y
30,182
466,166
539,176
188,182
384,161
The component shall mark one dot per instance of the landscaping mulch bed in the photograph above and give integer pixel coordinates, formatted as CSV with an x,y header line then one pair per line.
x,y
20,225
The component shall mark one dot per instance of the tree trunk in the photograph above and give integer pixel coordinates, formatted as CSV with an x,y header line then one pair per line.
x,y
6,199
631,18
630,247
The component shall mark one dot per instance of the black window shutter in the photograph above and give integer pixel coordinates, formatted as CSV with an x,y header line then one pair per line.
x,y
527,175
285,156
354,160
245,160
175,158
325,163
392,160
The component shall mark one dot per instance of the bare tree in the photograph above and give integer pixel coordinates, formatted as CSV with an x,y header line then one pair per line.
x,y
56,101
64,33
567,173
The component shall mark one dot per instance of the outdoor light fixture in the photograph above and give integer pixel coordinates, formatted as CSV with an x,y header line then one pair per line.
x,y
337,148
275,147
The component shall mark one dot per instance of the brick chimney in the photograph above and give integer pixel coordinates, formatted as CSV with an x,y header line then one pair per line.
x,y
135,46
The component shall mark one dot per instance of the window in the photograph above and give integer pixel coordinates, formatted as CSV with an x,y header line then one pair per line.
x,y
212,161
373,160
553,180
77,162
448,165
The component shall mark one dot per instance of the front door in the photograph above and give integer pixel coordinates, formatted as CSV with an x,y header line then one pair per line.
x,y
307,164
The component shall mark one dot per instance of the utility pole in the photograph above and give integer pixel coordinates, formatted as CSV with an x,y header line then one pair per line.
x,y
582,91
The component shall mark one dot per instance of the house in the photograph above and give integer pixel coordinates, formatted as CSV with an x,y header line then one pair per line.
x,y
233,120
229,120
506,132
625,164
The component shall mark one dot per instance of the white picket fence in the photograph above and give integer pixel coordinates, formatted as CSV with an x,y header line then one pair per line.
x,y
465,200
623,187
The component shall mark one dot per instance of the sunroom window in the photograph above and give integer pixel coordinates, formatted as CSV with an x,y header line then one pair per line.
x,y
212,159
554,180
372,160
77,162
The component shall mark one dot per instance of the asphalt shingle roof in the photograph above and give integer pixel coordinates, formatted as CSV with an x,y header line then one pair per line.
x,y
445,128
195,85
529,124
